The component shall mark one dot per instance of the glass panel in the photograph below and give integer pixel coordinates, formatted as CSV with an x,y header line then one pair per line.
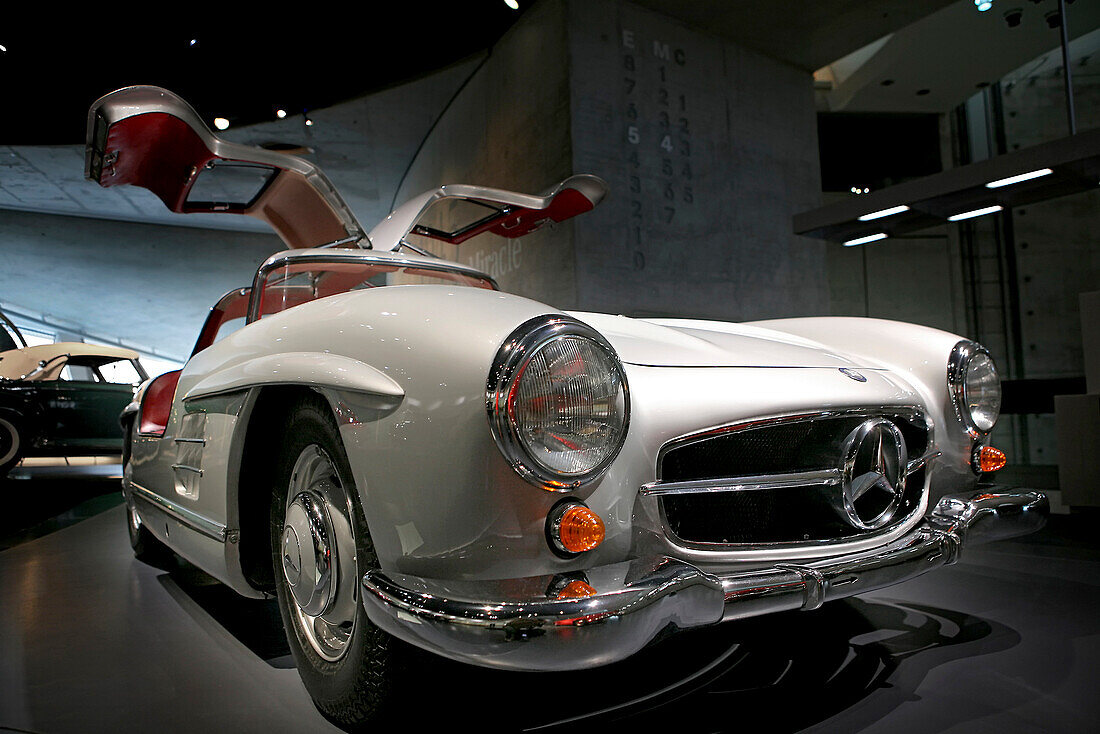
x,y
121,372
298,283
229,184
77,373
227,327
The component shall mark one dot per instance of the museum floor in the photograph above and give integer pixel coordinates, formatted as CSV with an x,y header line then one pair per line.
x,y
92,640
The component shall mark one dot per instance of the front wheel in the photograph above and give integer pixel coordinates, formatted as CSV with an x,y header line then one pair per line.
x,y
320,550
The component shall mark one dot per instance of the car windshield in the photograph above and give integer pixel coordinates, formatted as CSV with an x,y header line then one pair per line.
x,y
294,283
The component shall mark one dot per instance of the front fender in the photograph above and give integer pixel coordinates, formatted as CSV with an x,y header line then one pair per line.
x,y
312,369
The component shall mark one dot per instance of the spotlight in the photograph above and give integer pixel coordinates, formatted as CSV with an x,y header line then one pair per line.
x,y
221,123
1013,17
280,114
983,5
513,4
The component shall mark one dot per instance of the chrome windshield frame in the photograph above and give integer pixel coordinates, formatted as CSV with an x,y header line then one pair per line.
x,y
336,255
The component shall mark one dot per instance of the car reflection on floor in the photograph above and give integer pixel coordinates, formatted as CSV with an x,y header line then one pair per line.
x,y
45,497
825,661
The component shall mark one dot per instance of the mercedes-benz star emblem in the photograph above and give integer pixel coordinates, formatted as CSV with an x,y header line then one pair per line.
x,y
873,463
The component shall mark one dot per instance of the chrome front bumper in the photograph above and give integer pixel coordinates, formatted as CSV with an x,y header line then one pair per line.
x,y
519,624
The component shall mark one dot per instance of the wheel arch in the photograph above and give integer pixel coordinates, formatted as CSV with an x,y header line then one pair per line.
x,y
264,412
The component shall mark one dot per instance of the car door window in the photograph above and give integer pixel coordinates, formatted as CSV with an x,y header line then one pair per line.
x,y
121,372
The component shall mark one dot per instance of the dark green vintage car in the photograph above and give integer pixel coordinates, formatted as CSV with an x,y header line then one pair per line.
x,y
62,399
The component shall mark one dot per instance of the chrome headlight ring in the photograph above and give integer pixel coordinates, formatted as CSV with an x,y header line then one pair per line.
x,y
503,387
959,363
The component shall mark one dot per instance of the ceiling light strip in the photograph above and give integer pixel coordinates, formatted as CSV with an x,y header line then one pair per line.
x,y
1017,179
975,213
865,240
884,213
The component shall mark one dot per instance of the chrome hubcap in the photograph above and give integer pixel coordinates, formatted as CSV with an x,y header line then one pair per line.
x,y
318,554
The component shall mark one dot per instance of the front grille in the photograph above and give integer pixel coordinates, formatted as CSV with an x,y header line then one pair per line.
x,y
788,514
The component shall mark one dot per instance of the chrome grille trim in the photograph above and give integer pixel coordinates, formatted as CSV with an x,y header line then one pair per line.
x,y
826,478
743,484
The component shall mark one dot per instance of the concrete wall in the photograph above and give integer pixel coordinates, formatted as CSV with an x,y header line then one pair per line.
x,y
509,128
149,286
709,149
364,145
698,220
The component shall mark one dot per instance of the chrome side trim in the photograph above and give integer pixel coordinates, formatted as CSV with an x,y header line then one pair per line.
x,y
184,467
827,477
190,518
190,440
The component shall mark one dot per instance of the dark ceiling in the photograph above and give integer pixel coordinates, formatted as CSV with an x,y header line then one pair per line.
x,y
240,68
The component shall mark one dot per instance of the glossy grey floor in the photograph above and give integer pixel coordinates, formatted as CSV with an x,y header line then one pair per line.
x,y
1008,640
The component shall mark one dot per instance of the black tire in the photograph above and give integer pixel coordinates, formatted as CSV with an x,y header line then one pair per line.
x,y
359,686
145,545
12,445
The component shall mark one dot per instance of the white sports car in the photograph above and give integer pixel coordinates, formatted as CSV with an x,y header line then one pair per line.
x,y
404,454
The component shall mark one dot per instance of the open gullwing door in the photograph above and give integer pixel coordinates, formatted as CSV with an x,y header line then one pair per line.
x,y
504,213
149,137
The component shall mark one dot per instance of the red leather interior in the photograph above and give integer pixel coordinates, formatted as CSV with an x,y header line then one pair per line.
x,y
156,151
518,221
156,405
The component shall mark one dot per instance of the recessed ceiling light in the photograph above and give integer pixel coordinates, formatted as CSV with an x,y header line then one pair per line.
x,y
309,122
280,114
513,4
1017,179
3,49
221,123
194,42
975,213
884,213
865,240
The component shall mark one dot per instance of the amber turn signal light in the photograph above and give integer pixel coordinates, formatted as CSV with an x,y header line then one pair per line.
x,y
576,589
988,459
573,528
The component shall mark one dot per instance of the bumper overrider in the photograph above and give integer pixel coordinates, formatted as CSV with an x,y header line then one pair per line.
x,y
519,624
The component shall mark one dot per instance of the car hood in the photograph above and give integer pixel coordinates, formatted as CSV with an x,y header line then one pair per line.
x,y
695,343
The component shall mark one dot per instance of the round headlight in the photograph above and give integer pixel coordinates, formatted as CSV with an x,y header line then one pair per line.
x,y
975,386
558,402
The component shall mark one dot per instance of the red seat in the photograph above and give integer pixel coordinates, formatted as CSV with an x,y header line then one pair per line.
x,y
156,405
